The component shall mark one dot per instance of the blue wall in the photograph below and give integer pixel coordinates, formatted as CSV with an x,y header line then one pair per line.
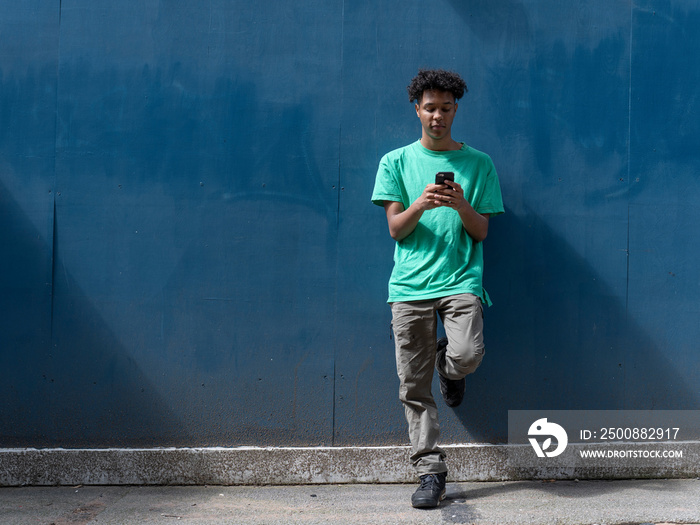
x,y
189,257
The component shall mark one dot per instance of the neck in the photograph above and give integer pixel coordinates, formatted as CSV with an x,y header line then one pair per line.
x,y
443,144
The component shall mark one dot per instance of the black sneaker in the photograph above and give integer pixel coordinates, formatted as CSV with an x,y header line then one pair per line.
x,y
431,491
452,390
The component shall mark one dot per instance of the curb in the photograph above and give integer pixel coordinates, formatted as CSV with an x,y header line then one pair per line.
x,y
316,465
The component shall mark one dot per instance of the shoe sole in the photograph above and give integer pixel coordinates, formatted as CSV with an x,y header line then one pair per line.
x,y
428,504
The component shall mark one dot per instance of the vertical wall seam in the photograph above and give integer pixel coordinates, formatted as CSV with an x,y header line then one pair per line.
x,y
53,275
338,190
629,156
629,188
54,249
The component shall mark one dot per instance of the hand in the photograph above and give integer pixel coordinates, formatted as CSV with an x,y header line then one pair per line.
x,y
450,195
432,197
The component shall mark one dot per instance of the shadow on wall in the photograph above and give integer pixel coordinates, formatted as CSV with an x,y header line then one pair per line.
x,y
558,338
25,323
73,384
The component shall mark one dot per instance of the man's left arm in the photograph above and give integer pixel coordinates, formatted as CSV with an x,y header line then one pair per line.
x,y
476,224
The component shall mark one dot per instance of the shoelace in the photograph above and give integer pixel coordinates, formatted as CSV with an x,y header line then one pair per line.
x,y
427,481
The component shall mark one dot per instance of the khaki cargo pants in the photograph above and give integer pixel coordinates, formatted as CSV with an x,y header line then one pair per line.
x,y
415,332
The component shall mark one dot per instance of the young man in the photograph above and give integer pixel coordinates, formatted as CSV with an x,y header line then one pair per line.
x,y
438,265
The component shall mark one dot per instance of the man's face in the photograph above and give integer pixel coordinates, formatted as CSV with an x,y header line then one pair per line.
x,y
436,111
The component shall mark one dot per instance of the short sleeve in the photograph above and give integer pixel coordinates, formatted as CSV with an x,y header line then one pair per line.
x,y
386,184
491,201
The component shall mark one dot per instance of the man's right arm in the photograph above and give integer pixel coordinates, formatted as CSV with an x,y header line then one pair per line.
x,y
402,221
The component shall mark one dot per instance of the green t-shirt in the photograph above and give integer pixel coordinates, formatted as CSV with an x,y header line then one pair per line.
x,y
438,258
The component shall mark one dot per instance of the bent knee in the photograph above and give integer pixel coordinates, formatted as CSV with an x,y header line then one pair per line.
x,y
468,359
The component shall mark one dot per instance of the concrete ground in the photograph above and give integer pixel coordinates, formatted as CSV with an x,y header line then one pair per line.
x,y
480,503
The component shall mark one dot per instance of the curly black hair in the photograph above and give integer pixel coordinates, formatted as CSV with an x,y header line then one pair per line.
x,y
438,79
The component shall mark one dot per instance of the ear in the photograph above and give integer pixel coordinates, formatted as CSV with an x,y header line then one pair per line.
x,y
418,110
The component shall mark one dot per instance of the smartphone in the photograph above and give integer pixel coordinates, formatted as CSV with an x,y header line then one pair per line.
x,y
442,176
